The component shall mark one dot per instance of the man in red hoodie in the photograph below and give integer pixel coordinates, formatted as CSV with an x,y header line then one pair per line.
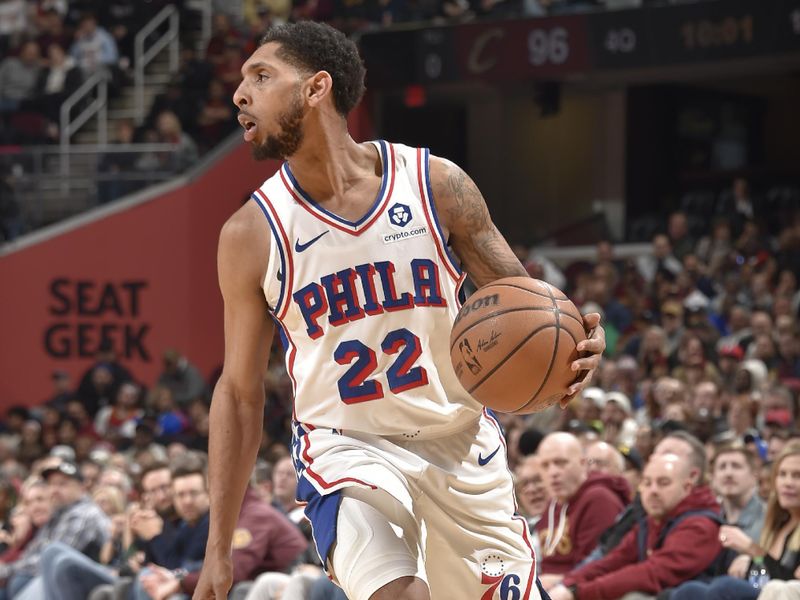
x,y
583,505
675,543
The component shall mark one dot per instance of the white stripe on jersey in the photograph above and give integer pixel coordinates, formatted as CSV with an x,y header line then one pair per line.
x,y
365,308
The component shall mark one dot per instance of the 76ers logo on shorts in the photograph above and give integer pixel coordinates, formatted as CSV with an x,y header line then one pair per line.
x,y
493,574
400,215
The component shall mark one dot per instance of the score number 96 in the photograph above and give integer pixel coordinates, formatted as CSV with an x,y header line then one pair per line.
x,y
548,46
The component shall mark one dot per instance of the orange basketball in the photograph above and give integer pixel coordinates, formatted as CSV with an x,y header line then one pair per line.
x,y
513,342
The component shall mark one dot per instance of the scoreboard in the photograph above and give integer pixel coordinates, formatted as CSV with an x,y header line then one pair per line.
x,y
559,47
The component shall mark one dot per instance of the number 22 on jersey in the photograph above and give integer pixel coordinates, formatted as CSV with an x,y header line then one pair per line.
x,y
354,385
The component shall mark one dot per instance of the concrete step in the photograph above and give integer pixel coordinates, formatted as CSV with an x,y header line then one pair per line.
x,y
49,206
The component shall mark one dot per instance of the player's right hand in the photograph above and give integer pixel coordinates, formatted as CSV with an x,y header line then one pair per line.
x,y
216,579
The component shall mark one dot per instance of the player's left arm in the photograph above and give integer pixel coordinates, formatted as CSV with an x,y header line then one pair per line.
x,y
485,254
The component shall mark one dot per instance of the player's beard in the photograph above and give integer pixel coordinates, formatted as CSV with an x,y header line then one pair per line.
x,y
287,141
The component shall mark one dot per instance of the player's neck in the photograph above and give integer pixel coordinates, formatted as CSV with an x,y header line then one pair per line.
x,y
329,161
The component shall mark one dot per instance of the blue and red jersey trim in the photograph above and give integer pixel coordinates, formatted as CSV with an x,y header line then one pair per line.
x,y
426,195
352,227
284,250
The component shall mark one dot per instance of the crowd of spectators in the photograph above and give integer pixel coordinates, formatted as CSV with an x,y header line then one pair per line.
x,y
688,437
676,474
49,47
694,412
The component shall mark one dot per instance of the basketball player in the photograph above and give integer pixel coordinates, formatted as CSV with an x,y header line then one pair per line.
x,y
346,251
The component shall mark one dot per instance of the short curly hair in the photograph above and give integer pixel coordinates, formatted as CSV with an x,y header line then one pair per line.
x,y
313,47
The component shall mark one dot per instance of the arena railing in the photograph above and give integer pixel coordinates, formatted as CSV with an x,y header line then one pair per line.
x,y
144,56
35,176
206,10
96,87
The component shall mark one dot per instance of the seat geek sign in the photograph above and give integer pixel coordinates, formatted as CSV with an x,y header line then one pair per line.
x,y
87,314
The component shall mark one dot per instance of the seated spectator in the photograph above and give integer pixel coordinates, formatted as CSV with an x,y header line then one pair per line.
x,y
227,69
184,154
734,479
705,406
76,522
30,515
633,466
216,115
120,172
114,477
582,505
117,423
531,495
31,447
694,366
123,19
681,444
183,103
264,541
284,489
18,75
76,411
170,421
190,498
222,34
56,82
144,447
660,259
182,378
62,390
193,73
14,22
679,236
94,48
100,382
602,457
588,404
51,31
676,541
779,548
530,490
197,438
619,427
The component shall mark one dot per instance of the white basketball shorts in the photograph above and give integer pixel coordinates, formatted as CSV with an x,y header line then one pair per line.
x,y
448,501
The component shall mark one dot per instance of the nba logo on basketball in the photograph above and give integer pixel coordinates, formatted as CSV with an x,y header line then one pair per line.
x,y
400,215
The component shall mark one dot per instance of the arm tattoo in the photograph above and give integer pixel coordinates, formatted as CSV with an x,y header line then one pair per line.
x,y
484,252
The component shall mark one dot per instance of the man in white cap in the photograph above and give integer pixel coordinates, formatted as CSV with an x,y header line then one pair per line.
x,y
619,428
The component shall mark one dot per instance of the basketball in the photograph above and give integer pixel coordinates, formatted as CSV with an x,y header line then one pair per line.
x,y
513,342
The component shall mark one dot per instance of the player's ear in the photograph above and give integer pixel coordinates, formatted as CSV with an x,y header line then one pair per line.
x,y
319,86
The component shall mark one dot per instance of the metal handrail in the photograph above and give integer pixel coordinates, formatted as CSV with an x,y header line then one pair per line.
x,y
206,10
98,82
36,186
142,57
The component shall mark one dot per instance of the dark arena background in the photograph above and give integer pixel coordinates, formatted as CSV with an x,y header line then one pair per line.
x,y
642,156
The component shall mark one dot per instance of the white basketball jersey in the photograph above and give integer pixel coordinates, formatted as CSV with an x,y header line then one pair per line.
x,y
365,308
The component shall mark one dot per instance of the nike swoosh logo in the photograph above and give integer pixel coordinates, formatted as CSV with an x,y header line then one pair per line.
x,y
298,247
484,461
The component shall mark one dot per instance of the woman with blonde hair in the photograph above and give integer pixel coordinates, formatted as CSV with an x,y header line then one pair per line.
x,y
778,550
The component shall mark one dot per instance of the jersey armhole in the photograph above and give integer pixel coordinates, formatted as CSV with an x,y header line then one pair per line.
x,y
426,196
275,279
